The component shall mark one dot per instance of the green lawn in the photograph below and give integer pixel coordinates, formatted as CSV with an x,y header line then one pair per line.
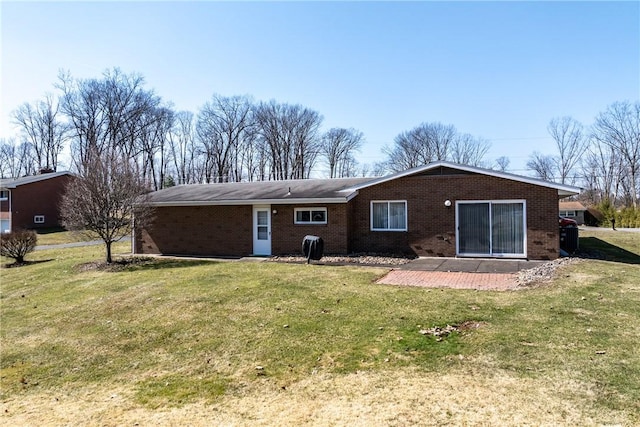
x,y
302,344
58,236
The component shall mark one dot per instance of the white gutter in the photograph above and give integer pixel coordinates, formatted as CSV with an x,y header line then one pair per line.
x,y
305,201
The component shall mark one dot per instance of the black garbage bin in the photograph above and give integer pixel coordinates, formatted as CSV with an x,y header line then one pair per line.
x,y
569,238
312,247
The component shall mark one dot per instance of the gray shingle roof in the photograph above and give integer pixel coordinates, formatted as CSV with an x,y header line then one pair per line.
x,y
16,182
267,192
339,190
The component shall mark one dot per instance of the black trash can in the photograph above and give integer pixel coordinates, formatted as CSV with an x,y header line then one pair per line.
x,y
569,239
312,247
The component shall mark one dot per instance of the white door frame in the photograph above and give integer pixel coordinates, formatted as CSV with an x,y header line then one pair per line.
x,y
261,246
491,254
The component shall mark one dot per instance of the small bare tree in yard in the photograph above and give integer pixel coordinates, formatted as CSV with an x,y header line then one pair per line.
x,y
105,198
18,244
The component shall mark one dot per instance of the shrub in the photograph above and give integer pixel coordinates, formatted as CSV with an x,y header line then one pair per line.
x,y
608,212
17,244
628,217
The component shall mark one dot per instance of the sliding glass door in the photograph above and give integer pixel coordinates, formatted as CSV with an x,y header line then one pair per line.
x,y
491,228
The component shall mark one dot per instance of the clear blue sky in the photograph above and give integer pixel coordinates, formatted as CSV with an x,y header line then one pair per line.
x,y
499,70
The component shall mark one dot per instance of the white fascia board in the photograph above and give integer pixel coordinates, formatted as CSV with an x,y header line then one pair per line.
x,y
252,202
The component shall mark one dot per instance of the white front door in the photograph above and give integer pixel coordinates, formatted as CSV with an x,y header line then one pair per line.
x,y
262,230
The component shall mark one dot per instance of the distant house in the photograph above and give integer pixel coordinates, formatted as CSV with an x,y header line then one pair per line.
x,y
574,210
441,209
31,201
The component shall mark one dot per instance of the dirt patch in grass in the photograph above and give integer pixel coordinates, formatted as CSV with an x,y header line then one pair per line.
x,y
117,265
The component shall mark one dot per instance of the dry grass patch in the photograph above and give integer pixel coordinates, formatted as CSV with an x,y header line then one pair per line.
x,y
392,398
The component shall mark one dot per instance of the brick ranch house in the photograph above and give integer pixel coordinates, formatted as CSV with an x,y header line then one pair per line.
x,y
441,209
31,201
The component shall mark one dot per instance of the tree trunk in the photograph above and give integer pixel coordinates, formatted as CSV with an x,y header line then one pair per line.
x,y
108,245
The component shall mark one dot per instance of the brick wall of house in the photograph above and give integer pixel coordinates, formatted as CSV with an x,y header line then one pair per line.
x,y
431,225
37,198
228,230
287,236
199,230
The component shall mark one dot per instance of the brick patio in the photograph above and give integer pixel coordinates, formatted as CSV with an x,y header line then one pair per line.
x,y
455,280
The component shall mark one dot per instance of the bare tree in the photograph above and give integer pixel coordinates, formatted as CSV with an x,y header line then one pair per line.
x,y
290,135
16,159
600,169
338,146
543,166
183,150
105,198
8,158
42,128
468,150
421,145
619,128
571,143
106,115
152,145
222,126
502,163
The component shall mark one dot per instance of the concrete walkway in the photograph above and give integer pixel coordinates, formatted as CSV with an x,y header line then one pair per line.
x,y
469,265
459,273
77,244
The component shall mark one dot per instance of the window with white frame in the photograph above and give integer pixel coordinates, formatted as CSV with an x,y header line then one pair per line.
x,y
38,219
568,213
389,215
310,215
4,195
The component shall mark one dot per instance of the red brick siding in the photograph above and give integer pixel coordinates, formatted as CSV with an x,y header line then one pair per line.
x,y
201,230
228,230
37,198
287,236
431,225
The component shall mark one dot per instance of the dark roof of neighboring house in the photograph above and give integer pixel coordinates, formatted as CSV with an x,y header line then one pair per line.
x,y
16,182
266,192
337,190
571,206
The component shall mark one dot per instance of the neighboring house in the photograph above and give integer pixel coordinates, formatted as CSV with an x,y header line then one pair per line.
x,y
31,201
573,210
441,209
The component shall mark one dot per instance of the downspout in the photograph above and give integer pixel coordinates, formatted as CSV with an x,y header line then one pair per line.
x,y
133,234
10,211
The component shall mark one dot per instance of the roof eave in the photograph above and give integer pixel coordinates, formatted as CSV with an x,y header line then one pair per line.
x,y
300,201
566,193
